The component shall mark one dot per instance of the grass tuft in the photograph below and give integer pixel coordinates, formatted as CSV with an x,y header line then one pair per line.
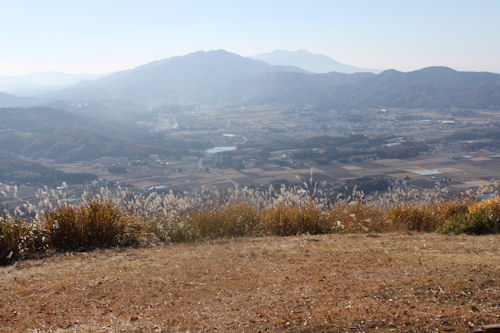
x,y
19,239
231,220
294,220
12,231
95,225
358,218
414,218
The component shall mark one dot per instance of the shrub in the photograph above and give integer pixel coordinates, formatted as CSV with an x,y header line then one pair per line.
x,y
19,238
94,225
357,217
414,218
169,228
449,209
481,218
232,220
12,232
293,220
226,221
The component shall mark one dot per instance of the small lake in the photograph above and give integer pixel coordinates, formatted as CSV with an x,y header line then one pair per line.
x,y
220,149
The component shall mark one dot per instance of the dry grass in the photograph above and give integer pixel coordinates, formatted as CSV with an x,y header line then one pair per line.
x,y
355,217
12,232
414,283
225,221
114,221
90,226
285,220
18,240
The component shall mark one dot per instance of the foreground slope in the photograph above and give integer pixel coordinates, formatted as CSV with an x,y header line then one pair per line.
x,y
419,282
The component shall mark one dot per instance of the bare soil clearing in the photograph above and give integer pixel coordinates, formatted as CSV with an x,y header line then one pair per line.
x,y
387,282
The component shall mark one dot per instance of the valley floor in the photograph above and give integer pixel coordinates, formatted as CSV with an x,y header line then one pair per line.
x,y
390,282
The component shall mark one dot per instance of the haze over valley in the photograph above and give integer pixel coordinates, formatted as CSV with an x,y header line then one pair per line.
x,y
250,166
153,126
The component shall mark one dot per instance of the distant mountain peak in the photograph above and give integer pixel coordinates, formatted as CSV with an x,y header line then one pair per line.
x,y
219,76
39,82
316,63
201,76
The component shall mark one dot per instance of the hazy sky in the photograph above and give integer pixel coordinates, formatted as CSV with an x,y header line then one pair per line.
x,y
108,35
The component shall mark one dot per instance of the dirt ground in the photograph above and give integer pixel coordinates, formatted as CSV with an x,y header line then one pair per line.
x,y
333,283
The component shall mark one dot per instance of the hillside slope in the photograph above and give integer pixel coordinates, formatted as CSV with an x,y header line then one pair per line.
x,y
43,132
420,282
22,171
7,100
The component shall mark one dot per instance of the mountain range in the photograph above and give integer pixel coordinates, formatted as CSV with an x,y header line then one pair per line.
x,y
314,63
7,100
199,77
40,83
224,77
216,77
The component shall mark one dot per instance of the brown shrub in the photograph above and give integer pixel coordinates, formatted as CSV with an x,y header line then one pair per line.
x,y
356,217
231,220
447,209
94,225
293,220
415,218
12,232
225,221
19,238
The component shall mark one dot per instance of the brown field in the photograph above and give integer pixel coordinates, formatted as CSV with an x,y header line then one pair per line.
x,y
390,282
478,183
480,159
186,174
352,167
449,170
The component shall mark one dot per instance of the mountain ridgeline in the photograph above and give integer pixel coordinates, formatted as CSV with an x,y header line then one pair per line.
x,y
314,63
221,77
14,101
200,77
41,83
224,77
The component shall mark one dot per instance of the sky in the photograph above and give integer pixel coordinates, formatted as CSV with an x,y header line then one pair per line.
x,y
100,36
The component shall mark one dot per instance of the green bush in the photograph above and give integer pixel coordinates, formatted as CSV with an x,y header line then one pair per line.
x,y
481,218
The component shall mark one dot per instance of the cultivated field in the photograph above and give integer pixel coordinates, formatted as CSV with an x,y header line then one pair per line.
x,y
385,282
